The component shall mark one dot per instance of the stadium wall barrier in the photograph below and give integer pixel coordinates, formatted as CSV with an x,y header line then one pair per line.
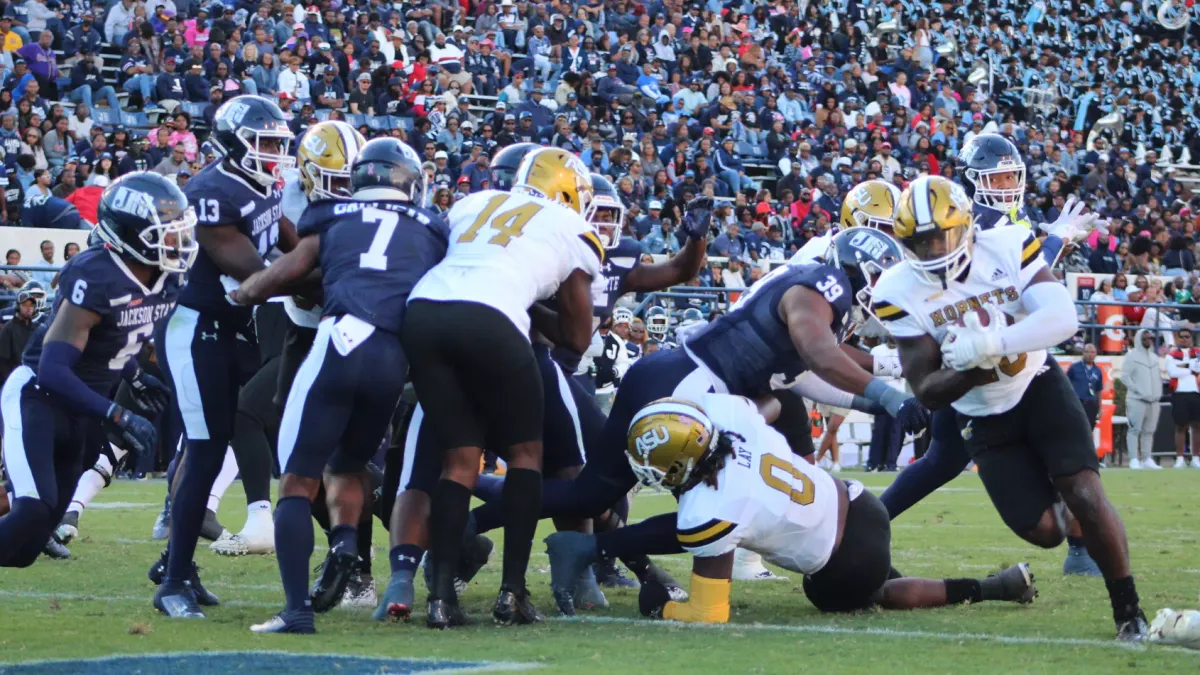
x,y
28,240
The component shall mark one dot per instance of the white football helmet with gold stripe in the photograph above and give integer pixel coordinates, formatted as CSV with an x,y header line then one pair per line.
x,y
326,152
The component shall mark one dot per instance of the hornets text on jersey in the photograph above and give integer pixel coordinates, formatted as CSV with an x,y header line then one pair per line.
x,y
222,198
1004,261
747,346
508,251
372,255
766,499
99,281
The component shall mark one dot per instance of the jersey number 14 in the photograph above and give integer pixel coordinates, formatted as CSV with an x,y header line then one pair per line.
x,y
507,225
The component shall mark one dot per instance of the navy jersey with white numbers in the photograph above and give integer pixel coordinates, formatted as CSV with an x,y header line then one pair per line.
x,y
372,254
610,285
221,198
750,344
99,281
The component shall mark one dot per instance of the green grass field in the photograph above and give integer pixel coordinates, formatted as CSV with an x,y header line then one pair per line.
x,y
98,602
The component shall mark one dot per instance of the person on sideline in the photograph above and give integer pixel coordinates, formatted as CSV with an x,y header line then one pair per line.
x,y
1141,372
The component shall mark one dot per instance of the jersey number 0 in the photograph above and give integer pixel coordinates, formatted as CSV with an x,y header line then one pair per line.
x,y
507,225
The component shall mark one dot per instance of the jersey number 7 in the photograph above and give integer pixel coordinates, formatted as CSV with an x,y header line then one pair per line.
x,y
507,225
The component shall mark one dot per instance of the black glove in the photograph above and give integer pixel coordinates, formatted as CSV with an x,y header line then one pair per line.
x,y
135,432
149,392
697,217
653,597
913,416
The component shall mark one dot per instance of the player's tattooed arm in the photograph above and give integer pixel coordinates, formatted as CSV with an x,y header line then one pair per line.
x,y
292,273
936,387
680,269
231,250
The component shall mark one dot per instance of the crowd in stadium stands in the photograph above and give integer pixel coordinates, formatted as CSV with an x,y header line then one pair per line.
x,y
780,106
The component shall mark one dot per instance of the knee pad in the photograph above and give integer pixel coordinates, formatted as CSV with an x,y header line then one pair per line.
x,y
793,422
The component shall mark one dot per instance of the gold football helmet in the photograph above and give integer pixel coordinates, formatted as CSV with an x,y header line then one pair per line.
x,y
667,439
557,175
325,154
872,204
935,227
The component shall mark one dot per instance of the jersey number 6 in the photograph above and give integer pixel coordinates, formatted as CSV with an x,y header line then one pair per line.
x,y
802,492
507,225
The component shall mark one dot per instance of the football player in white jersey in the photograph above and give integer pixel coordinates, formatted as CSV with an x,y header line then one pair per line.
x,y
872,203
467,333
1020,420
740,485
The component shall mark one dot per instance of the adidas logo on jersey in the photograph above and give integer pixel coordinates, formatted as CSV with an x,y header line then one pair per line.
x,y
998,274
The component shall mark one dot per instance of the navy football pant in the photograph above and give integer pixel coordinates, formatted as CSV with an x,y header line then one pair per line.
x,y
44,448
339,407
943,461
207,360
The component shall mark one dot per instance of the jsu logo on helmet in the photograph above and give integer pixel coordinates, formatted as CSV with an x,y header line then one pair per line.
x,y
652,439
134,202
869,244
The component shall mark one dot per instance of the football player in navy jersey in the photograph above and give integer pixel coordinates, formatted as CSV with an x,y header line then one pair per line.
x,y
110,299
237,203
791,323
372,249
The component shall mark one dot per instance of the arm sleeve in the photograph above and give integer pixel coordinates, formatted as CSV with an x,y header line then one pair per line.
x,y
56,374
1051,320
809,386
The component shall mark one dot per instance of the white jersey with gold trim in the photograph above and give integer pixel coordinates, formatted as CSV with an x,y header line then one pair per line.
x,y
510,250
294,202
1003,262
767,500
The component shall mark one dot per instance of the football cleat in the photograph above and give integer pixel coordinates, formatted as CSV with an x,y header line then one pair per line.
x,y
748,566
588,594
334,576
397,603
1014,584
178,602
298,622
211,529
55,549
1079,563
1134,630
162,524
256,538
609,575
1176,628
360,591
570,554
68,529
443,614
514,607
158,570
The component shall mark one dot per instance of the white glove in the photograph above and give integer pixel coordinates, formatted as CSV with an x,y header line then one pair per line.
x,y
1073,226
974,346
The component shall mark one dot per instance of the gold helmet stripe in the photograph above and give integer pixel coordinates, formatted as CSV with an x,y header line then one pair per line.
x,y
705,534
1033,247
593,241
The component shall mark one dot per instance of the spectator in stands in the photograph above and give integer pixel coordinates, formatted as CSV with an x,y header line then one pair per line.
x,y
173,163
181,134
66,180
119,20
137,74
9,38
57,144
87,83
1104,259
31,145
83,40
15,334
136,159
295,82
169,86
41,60
46,265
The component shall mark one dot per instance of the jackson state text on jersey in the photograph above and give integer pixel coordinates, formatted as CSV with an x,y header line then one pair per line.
x,y
609,285
1004,261
222,198
751,343
372,254
99,281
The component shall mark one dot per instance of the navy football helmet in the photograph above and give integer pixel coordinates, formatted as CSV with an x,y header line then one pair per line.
x,y
253,135
145,217
387,168
606,211
35,291
504,164
863,253
992,172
